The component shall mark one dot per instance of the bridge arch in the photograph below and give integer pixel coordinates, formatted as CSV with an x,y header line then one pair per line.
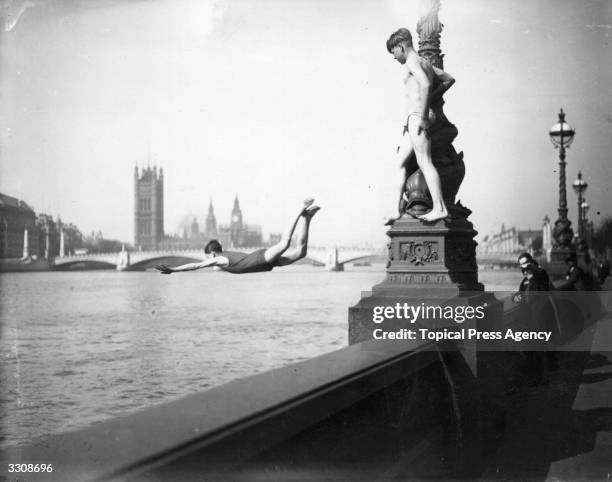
x,y
88,263
356,258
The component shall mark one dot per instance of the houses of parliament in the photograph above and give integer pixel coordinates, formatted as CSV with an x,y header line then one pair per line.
x,y
149,220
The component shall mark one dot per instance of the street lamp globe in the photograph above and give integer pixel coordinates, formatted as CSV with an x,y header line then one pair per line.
x,y
585,209
579,185
562,134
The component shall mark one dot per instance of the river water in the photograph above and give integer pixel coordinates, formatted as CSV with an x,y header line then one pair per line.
x,y
80,347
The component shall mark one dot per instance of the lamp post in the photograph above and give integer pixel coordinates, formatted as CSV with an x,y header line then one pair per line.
x,y
580,188
584,208
562,134
429,29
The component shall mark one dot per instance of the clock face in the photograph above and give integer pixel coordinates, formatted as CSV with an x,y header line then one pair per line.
x,y
235,218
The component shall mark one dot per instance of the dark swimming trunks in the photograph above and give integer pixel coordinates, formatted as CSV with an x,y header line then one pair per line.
x,y
240,263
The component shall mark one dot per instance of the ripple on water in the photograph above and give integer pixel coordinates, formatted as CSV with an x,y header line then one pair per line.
x,y
64,373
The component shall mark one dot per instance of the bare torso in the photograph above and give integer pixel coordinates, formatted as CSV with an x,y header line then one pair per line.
x,y
414,100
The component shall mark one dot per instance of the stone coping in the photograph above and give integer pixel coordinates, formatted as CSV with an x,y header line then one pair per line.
x,y
301,394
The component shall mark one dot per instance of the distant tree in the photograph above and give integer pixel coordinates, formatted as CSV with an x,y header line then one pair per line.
x,y
602,237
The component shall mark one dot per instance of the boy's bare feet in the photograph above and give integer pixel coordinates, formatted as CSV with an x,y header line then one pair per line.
x,y
390,220
434,215
310,211
308,202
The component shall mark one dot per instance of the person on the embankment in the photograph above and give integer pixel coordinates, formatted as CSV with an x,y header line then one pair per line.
x,y
576,279
536,278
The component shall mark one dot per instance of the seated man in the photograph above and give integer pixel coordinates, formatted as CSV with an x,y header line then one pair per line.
x,y
261,260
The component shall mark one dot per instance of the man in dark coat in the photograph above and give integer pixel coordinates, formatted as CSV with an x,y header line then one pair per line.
x,y
533,291
536,279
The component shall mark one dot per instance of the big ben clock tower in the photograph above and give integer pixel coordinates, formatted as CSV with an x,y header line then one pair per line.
x,y
236,231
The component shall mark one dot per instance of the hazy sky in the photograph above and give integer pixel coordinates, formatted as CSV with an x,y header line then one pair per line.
x,y
276,100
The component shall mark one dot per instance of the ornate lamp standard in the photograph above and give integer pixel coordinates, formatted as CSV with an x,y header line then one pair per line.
x,y
562,135
580,188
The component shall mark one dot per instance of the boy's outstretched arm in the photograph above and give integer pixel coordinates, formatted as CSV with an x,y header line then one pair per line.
x,y
217,261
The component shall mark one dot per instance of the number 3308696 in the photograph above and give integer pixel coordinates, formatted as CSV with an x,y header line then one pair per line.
x,y
30,468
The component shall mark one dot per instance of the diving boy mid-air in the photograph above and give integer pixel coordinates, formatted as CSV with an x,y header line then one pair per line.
x,y
281,254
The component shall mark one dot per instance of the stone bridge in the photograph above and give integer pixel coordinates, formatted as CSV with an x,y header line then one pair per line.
x,y
334,258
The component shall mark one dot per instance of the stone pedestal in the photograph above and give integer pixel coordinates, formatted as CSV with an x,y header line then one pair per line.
x,y
432,260
430,264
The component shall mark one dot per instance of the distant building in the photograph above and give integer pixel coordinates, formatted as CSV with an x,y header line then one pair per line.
x,y
49,236
511,241
149,220
210,229
274,238
18,231
236,228
25,235
224,236
71,239
148,208
55,238
238,234
195,229
252,235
